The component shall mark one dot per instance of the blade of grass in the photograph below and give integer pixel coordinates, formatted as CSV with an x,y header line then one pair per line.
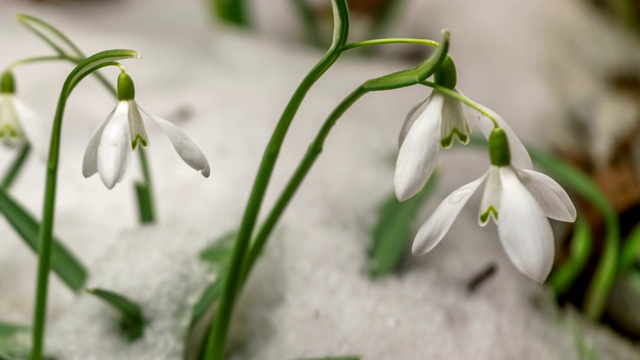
x,y
133,323
66,265
393,231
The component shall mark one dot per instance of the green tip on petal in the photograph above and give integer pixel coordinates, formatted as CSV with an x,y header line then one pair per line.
x,y
484,217
446,142
7,83
138,140
126,90
499,148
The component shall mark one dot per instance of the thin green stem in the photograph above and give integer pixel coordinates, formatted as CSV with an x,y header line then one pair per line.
x,y
144,191
456,95
91,64
16,166
390,41
315,149
217,340
28,21
36,59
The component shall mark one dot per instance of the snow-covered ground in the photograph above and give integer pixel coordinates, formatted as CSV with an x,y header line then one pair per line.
x,y
310,295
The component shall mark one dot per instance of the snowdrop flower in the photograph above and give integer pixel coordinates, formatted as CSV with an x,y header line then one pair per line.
x,y
433,124
19,125
109,150
519,202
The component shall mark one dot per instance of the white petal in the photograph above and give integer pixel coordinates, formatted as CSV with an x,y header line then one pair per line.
x,y
90,160
554,201
491,198
186,148
35,130
114,149
524,230
519,154
437,226
418,154
410,119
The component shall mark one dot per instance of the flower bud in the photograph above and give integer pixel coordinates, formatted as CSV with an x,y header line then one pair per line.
x,y
499,152
126,90
7,83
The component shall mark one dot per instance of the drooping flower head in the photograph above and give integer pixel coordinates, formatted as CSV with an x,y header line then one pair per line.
x,y
518,200
109,150
19,125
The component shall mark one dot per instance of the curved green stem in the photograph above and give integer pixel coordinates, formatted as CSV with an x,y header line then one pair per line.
x,y
16,166
390,41
456,95
315,149
215,347
86,67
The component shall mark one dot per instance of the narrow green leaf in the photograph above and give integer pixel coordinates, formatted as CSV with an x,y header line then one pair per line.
x,y
133,321
415,75
309,22
219,252
66,265
581,246
231,11
13,171
631,251
393,231
7,329
49,34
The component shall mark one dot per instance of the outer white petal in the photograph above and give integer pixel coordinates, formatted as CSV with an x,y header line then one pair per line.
x,y
524,229
491,197
519,154
114,148
437,226
554,201
35,130
410,119
186,148
418,154
90,160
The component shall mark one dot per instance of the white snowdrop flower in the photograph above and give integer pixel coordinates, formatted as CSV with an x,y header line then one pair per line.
x,y
518,200
434,124
430,125
19,125
109,150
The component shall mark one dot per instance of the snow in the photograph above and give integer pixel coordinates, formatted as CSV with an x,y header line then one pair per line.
x,y
310,295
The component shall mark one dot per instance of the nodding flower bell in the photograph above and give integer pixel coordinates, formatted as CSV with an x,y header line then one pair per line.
x,y
109,150
19,125
518,200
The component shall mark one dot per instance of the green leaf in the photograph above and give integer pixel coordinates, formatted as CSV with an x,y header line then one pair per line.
x,y
413,76
7,329
13,171
49,34
231,11
581,246
10,347
393,231
66,265
219,252
133,321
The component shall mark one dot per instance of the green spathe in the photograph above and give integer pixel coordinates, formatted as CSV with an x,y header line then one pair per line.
x,y
7,84
126,90
499,148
